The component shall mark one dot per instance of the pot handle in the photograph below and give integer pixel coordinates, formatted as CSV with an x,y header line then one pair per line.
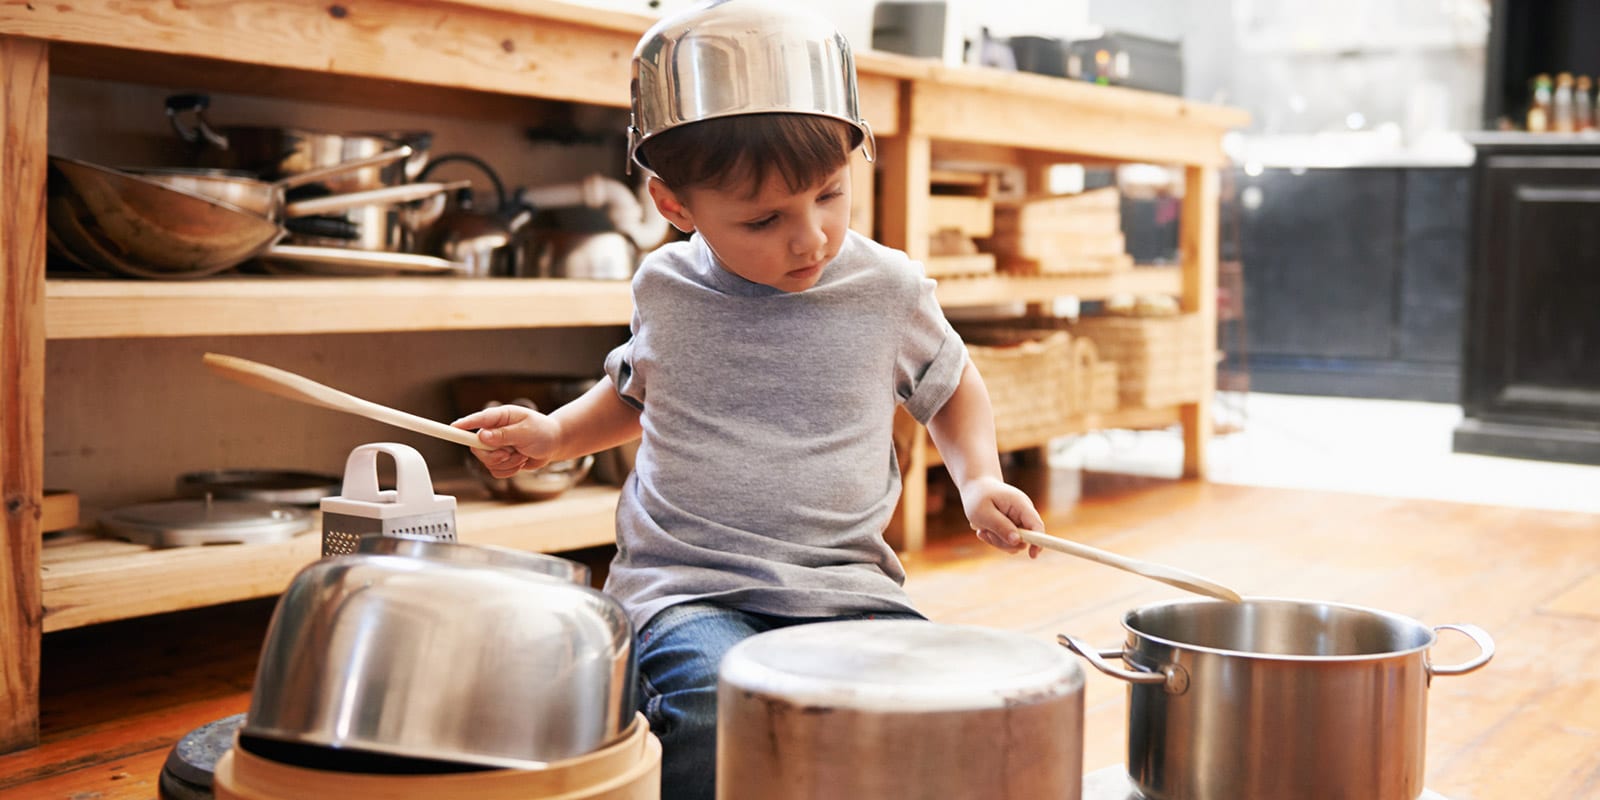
x,y
1172,677
1485,646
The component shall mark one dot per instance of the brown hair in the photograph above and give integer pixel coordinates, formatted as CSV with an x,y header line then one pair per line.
x,y
744,149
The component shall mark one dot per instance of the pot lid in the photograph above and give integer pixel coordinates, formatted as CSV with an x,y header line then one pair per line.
x,y
171,523
265,485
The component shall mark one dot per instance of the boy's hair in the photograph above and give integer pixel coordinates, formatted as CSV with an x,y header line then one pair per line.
x,y
745,149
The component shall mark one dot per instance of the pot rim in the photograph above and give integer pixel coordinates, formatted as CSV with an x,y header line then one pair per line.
x,y
1432,636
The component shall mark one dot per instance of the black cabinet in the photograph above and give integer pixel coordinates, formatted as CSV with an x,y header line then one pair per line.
x,y
1531,377
1355,280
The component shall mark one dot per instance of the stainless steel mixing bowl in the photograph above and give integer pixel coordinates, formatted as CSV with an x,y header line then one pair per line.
x,y
742,57
440,655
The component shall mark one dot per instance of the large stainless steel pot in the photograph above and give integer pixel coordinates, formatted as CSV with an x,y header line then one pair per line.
x,y
1275,698
444,653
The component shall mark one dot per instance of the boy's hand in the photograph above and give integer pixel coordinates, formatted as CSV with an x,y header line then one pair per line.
x,y
521,437
996,509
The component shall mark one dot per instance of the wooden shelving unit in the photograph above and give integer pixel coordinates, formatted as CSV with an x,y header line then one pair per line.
x,y
518,58
89,579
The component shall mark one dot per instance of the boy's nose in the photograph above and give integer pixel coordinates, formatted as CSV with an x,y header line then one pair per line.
x,y
811,239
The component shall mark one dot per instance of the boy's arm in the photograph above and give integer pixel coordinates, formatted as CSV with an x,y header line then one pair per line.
x,y
598,420
963,430
521,438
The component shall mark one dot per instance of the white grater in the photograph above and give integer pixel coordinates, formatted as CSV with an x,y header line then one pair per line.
x,y
362,511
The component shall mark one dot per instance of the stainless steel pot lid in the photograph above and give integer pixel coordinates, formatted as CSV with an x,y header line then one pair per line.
x,y
291,487
180,523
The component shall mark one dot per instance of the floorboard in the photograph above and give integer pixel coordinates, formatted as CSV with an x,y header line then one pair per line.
x,y
117,696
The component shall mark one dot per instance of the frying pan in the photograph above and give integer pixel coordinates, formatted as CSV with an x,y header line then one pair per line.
x,y
266,198
158,230
284,383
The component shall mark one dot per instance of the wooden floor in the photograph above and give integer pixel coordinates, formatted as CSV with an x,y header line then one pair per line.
x,y
116,697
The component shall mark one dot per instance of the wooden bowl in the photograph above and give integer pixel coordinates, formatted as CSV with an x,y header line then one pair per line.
x,y
629,769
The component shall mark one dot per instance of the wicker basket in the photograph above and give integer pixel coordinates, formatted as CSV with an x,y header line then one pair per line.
x,y
1094,380
1029,376
1161,361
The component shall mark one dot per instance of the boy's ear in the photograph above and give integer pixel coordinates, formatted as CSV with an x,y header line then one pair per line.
x,y
670,206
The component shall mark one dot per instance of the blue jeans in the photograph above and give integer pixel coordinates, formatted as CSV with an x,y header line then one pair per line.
x,y
679,652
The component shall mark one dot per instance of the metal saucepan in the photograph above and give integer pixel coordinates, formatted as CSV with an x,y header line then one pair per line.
x,y
274,153
1274,698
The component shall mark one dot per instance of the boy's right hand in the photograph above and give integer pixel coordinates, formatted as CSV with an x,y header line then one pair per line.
x,y
520,438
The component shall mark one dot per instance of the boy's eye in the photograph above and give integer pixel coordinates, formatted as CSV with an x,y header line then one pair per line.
x,y
764,222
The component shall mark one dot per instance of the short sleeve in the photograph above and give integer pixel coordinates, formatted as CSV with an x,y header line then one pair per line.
x,y
619,367
931,357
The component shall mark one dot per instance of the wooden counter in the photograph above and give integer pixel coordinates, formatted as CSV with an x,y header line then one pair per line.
x,y
502,60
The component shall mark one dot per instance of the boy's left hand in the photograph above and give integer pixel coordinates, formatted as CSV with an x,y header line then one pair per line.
x,y
996,510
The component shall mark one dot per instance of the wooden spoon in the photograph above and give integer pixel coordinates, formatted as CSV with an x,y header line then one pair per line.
x,y
298,387
1170,575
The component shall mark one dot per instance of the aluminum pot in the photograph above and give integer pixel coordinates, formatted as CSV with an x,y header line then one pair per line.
x,y
1274,698
444,653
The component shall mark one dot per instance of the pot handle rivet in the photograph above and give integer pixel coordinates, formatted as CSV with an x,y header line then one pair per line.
x,y
1173,677
1485,646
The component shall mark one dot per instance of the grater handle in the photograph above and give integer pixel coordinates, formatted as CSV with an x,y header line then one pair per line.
x,y
412,483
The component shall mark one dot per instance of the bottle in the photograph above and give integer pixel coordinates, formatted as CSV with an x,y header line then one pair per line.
x,y
1583,105
1539,109
1563,118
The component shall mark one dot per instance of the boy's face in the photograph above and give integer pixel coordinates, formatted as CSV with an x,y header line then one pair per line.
x,y
775,237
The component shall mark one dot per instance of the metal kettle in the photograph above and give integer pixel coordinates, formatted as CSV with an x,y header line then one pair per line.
x,y
595,228
483,243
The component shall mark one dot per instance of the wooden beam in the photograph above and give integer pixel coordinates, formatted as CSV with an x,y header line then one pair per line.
x,y
1197,241
24,64
1123,131
473,47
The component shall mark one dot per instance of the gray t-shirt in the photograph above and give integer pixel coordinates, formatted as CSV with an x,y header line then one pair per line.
x,y
766,473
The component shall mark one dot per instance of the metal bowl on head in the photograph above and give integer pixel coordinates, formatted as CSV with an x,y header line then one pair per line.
x,y
438,655
762,56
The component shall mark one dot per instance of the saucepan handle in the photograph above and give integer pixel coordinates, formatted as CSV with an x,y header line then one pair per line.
x,y
1172,677
1485,648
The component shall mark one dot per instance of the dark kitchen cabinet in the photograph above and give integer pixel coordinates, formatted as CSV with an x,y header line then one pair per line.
x,y
1355,279
1531,377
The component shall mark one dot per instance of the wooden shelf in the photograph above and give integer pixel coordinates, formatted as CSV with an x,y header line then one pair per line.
x,y
100,309
1125,419
996,289
110,309
89,579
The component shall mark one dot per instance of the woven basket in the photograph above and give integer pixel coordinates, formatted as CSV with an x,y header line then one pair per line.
x,y
1029,376
1161,361
1094,382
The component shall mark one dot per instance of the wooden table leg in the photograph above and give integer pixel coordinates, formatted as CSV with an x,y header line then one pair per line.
x,y
1198,246
908,528
24,64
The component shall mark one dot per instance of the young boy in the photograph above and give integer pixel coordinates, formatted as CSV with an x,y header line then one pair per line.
x,y
768,354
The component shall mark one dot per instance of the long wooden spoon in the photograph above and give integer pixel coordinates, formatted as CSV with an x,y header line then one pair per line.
x,y
284,383
1160,572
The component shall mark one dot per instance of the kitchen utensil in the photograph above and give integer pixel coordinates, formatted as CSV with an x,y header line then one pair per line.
x,y
469,393
1173,576
280,486
629,769
296,387
1274,698
405,544
485,243
310,259
274,153
158,230
446,659
187,523
799,64
190,767
363,511
898,708
267,198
